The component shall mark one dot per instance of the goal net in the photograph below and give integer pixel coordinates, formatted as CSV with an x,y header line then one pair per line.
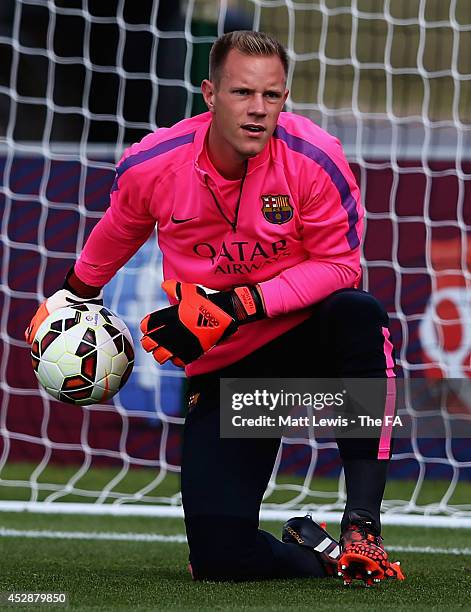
x,y
82,79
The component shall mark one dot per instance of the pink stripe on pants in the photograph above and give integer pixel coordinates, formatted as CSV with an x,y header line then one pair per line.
x,y
384,449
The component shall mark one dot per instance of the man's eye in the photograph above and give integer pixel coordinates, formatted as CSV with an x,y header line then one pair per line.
x,y
241,92
273,94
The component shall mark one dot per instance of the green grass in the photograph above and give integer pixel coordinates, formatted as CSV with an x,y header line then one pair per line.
x,y
375,42
110,575
132,575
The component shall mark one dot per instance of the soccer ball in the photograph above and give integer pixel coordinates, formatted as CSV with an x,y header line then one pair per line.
x,y
82,354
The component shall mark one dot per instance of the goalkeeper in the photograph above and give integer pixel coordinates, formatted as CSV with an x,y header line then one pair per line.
x,y
261,207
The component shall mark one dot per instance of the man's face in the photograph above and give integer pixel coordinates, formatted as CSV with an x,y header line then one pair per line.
x,y
245,103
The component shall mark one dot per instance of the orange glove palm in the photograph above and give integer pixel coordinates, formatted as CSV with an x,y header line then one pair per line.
x,y
184,332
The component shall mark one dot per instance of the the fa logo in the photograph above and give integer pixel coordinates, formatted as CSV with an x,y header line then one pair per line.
x,y
92,318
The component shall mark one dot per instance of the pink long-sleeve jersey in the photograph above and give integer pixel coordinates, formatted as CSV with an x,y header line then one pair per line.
x,y
294,227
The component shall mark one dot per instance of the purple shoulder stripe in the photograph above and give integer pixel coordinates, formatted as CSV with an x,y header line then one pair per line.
x,y
142,156
295,143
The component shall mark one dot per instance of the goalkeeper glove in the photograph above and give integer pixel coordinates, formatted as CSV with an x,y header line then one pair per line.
x,y
184,332
73,292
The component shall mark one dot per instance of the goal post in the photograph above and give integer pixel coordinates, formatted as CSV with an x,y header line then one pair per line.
x,y
82,80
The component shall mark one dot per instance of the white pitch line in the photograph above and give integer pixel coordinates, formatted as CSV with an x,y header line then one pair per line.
x,y
430,550
91,535
180,539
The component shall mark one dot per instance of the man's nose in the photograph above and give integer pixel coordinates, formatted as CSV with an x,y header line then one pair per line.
x,y
257,105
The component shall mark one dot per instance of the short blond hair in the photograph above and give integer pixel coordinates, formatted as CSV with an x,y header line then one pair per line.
x,y
247,42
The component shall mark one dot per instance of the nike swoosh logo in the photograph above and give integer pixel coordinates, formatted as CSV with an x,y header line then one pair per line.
x,y
182,220
107,388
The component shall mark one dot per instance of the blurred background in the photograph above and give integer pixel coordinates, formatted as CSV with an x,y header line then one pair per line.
x,y
82,79
116,69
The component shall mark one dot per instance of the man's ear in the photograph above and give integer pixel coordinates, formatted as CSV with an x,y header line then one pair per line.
x,y
207,89
285,96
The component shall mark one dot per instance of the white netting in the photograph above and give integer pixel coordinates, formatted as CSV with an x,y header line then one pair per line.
x,y
81,79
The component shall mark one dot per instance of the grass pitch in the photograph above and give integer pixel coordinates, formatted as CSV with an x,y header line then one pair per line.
x,y
148,575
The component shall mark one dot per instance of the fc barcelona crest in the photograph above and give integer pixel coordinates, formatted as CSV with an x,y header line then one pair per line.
x,y
276,208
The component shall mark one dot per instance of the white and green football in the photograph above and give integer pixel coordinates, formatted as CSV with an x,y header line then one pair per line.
x,y
82,354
